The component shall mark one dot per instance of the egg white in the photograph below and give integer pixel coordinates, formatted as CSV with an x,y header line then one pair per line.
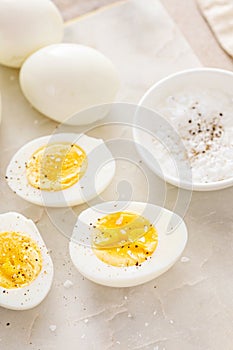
x,y
172,239
33,294
98,175
25,27
70,83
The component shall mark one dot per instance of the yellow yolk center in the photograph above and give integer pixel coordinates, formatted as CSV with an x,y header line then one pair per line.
x,y
124,239
56,167
20,260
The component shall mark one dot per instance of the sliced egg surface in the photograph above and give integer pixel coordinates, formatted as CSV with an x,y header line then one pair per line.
x,y
61,170
26,269
123,244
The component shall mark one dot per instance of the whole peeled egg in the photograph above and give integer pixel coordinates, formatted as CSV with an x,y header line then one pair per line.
x,y
25,27
70,83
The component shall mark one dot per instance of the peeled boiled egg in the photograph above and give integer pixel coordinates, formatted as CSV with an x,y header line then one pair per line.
x,y
123,244
66,81
61,170
26,269
27,26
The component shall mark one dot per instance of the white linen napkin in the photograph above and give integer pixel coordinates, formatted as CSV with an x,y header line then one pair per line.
x,y
219,15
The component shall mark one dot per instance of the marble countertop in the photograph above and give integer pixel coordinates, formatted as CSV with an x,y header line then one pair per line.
x,y
189,307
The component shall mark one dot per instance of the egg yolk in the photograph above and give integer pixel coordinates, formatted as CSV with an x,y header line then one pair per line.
x,y
20,260
124,239
56,167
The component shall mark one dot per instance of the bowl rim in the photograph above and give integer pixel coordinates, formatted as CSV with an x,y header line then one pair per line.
x,y
194,186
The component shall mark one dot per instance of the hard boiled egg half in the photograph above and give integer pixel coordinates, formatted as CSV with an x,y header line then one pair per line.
x,y
61,170
123,244
70,83
26,269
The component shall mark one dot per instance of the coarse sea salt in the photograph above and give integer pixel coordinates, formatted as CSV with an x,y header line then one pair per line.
x,y
199,144
184,259
52,327
67,284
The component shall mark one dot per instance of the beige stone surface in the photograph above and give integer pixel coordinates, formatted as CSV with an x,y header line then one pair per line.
x,y
188,308
158,314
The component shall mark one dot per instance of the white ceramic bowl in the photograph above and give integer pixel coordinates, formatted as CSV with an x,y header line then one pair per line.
x,y
202,77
